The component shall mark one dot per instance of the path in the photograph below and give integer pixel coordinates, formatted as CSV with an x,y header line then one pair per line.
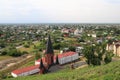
x,y
8,62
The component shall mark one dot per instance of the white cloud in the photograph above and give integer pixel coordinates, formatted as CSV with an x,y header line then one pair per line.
x,y
59,11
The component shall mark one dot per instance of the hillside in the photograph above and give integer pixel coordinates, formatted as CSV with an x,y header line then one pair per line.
x,y
110,71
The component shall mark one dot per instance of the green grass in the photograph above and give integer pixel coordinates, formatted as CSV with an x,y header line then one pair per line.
x,y
31,63
110,71
30,49
4,57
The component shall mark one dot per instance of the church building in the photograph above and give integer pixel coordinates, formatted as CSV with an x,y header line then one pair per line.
x,y
42,65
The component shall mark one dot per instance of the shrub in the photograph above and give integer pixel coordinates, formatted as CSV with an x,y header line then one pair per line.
x,y
56,46
26,45
3,52
72,48
108,57
24,52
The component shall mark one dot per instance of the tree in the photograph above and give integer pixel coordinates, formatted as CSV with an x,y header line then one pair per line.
x,y
72,48
3,52
89,54
37,55
2,45
94,54
14,52
108,57
56,46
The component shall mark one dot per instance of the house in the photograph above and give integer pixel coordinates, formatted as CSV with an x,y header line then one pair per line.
x,y
94,35
114,47
65,32
79,50
78,32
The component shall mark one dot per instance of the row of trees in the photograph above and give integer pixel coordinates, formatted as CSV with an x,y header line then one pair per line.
x,y
12,51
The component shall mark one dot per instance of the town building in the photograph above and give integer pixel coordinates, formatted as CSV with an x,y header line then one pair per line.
x,y
78,32
114,47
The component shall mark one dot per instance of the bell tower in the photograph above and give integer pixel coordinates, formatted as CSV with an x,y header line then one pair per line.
x,y
49,53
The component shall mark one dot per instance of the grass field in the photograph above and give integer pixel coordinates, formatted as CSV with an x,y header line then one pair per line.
x,y
28,64
110,71
30,49
5,57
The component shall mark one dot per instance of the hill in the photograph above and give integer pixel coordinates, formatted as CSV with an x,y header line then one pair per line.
x,y
109,71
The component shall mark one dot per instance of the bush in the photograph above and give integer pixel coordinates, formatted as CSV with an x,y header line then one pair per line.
x,y
56,46
96,61
2,45
72,48
14,53
108,57
3,52
24,52
26,45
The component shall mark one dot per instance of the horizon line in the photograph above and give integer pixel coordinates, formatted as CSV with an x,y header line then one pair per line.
x,y
65,23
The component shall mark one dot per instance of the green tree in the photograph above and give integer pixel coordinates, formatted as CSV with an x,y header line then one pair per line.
x,y
108,57
94,54
72,48
37,55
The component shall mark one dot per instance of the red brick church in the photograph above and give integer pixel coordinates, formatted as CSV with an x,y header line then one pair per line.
x,y
48,59
42,65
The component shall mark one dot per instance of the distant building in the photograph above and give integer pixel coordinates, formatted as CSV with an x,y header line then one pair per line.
x,y
94,35
115,47
65,32
79,50
78,32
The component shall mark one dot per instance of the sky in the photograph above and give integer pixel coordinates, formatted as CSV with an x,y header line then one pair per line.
x,y
59,11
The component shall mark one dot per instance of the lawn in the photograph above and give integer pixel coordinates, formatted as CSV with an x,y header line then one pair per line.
x,y
31,63
30,49
5,57
69,39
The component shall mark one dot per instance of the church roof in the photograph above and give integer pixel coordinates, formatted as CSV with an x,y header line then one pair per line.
x,y
49,49
66,54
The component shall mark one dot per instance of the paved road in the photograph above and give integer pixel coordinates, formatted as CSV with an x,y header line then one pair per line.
x,y
80,63
55,68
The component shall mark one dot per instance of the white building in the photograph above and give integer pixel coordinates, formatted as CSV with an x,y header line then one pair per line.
x,y
26,71
67,57
78,32
79,49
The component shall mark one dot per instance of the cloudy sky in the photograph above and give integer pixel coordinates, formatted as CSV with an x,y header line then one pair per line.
x,y
59,11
